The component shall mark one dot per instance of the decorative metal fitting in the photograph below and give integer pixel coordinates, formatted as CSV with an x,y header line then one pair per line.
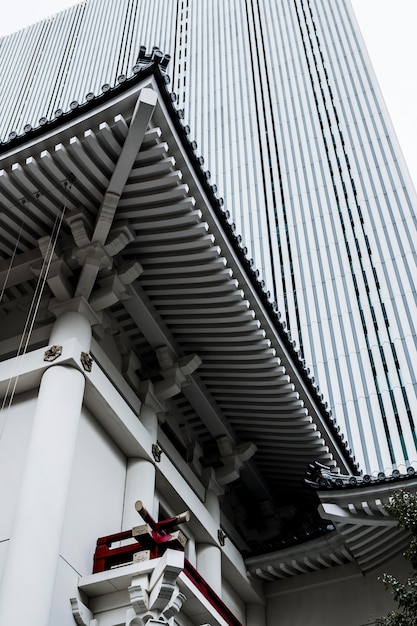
x,y
221,536
86,361
52,353
157,452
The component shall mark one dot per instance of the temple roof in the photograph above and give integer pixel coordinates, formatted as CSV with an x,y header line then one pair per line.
x,y
139,231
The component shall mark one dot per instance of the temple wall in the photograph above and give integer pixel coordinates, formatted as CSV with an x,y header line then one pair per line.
x,y
94,509
341,596
95,496
233,600
65,588
15,427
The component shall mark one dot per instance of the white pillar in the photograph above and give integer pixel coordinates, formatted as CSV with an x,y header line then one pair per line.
x,y
213,505
33,551
190,551
72,324
140,485
209,556
209,565
140,476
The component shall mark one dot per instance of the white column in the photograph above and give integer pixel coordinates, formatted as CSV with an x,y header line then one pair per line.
x,y
71,324
213,505
140,476
190,551
33,552
140,485
209,565
209,556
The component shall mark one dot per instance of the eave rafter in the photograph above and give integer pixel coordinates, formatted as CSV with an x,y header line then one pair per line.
x,y
93,259
309,557
143,245
369,532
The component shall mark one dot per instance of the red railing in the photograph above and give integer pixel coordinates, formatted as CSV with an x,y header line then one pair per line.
x,y
107,557
210,594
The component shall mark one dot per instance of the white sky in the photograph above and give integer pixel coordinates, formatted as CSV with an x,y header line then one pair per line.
x,y
388,27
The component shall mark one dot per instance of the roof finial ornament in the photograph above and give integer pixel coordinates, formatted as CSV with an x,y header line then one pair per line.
x,y
156,56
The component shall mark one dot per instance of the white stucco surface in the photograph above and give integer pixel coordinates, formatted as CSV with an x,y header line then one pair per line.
x,y
15,426
341,596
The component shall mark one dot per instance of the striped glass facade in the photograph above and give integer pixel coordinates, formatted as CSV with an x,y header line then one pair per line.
x,y
282,100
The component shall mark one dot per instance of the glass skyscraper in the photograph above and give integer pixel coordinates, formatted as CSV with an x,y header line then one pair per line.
x,y
282,101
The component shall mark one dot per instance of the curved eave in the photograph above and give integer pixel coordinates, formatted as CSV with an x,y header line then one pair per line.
x,y
244,273
84,114
364,534
196,293
312,556
371,535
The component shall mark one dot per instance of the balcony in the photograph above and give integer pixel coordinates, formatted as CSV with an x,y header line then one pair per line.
x,y
136,576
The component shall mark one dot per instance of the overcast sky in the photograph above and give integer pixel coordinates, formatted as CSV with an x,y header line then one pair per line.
x,y
389,29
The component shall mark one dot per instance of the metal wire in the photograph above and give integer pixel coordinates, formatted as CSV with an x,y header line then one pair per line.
x,y
32,313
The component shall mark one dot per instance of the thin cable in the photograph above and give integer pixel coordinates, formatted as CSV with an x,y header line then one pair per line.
x,y
12,258
33,311
30,320
52,247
